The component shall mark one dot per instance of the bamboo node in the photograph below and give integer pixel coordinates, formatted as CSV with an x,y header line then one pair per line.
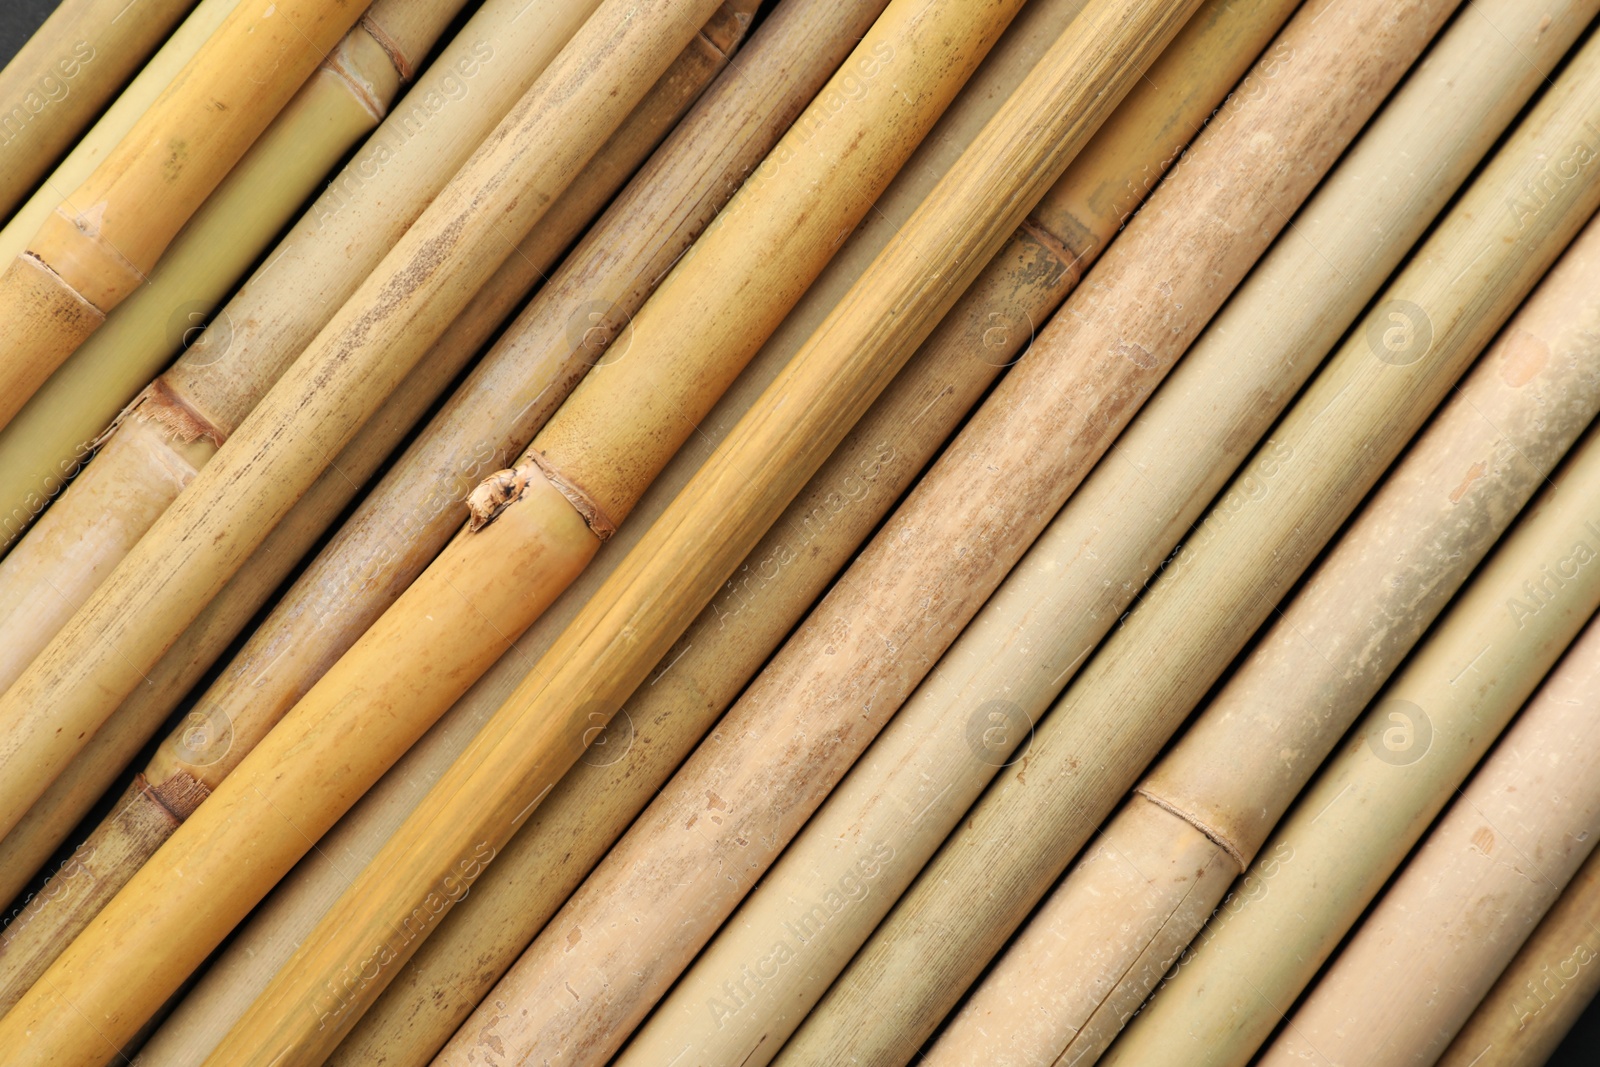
x,y
504,488
1215,834
340,64
396,54
180,794
164,407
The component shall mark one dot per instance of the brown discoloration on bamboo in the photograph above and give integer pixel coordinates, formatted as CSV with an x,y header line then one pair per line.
x,y
45,320
162,405
1473,889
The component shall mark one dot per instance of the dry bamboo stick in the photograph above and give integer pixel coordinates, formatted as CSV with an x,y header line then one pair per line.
x,y
1372,800
408,1025
548,537
58,82
921,774
106,235
285,443
1477,885
1104,938
348,95
676,568
263,681
1545,988
175,426
1113,718
830,518
47,578
649,886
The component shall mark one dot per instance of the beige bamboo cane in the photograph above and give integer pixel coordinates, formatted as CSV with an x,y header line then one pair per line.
x,y
151,81
45,580
636,875
348,95
178,422
928,766
58,82
1114,716
235,712
1103,939
803,415
103,239
1372,800
1544,990
552,537
1477,885
330,401
830,518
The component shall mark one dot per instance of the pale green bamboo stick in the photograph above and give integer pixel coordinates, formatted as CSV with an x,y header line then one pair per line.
x,y
1146,678
1097,946
1374,798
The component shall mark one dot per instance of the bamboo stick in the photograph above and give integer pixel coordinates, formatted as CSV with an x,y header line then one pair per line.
x,y
61,78
549,537
1102,940
348,95
823,391
1544,990
1115,715
835,512
228,720
1412,748
176,425
106,235
1466,900
46,579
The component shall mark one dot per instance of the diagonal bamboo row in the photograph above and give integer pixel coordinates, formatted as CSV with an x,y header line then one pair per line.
x,y
1374,798
955,732
421,284
547,538
1114,717
262,682
915,568
1477,885
53,436
105,236
1544,990
832,515
58,82
1103,939
45,580
141,715
113,126
176,425
678,566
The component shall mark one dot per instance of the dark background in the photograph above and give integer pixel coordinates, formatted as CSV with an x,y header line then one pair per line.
x,y
19,19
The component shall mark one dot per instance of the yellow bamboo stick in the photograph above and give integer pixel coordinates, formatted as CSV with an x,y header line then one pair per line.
x,y
1544,990
53,436
57,83
236,711
1488,870
826,387
114,125
1097,946
1145,679
177,424
106,235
